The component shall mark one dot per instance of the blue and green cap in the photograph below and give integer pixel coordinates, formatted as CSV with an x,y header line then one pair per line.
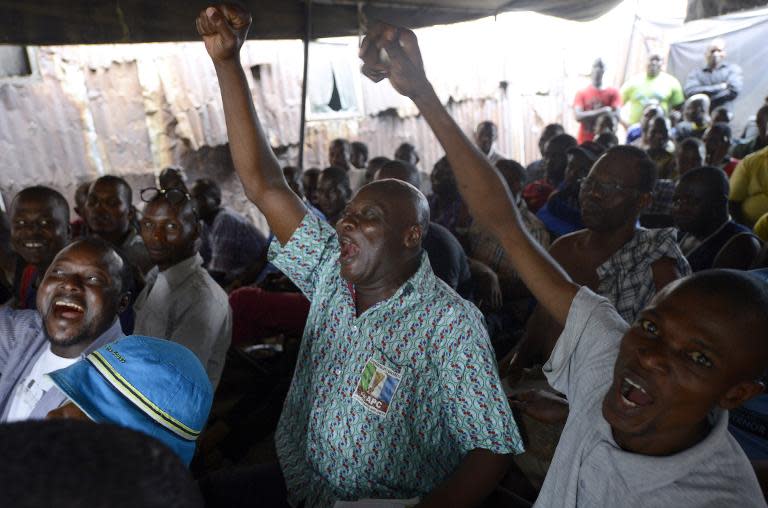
x,y
151,385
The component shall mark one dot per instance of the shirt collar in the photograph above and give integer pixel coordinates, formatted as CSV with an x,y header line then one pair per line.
x,y
643,473
179,272
111,334
131,238
609,265
418,283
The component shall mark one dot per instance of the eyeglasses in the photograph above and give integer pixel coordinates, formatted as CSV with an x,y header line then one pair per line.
x,y
604,188
173,196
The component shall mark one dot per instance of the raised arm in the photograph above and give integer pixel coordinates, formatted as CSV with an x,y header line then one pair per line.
x,y
481,186
224,29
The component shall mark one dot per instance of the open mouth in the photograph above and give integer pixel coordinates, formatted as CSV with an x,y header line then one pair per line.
x,y
66,309
633,395
34,245
348,250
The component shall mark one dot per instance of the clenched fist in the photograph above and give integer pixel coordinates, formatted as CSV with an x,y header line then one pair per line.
x,y
392,52
224,28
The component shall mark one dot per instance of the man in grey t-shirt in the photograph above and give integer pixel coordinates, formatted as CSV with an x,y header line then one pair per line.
x,y
647,425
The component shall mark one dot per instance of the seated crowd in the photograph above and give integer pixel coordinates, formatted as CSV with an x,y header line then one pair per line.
x,y
589,330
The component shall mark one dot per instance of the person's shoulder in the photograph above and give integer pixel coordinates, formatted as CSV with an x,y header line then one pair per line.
x,y
443,300
568,241
729,474
19,319
440,234
20,328
204,292
757,157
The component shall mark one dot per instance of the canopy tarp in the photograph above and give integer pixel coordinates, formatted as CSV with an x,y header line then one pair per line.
x,y
46,22
744,36
700,9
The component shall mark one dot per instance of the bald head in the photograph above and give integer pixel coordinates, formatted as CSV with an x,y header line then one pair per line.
x,y
410,205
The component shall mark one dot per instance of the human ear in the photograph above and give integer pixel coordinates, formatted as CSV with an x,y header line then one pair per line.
x,y
124,300
413,236
741,393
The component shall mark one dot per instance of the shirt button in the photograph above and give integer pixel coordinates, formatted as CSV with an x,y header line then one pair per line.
x,y
338,372
354,328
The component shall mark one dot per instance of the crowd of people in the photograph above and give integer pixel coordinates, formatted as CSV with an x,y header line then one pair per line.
x,y
589,330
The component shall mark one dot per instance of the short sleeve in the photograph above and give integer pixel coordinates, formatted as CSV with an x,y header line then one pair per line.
x,y
676,96
476,411
312,247
739,181
584,356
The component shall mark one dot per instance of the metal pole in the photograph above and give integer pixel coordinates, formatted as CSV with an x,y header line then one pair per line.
x,y
307,37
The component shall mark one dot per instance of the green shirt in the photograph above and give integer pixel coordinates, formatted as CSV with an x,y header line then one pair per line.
x,y
387,404
641,90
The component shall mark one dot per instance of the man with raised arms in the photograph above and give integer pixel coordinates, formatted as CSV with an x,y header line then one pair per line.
x,y
649,400
395,393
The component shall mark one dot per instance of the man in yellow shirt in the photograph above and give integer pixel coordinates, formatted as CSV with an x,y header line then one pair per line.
x,y
749,188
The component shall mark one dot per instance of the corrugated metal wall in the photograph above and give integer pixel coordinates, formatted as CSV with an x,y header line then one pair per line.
x,y
133,109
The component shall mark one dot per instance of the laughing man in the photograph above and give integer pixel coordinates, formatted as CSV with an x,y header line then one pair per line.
x,y
78,301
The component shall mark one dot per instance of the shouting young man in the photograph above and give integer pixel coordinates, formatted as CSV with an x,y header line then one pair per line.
x,y
648,424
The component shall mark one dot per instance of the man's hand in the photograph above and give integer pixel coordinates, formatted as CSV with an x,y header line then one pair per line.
x,y
224,29
488,288
541,405
391,52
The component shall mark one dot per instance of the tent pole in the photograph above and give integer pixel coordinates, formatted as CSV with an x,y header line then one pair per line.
x,y
307,37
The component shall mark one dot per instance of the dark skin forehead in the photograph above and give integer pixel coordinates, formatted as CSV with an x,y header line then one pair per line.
x,y
38,201
111,187
616,168
85,254
486,128
707,321
162,208
400,208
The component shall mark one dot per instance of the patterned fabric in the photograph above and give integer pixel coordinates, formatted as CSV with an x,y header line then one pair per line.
x,y
486,248
384,405
663,192
626,278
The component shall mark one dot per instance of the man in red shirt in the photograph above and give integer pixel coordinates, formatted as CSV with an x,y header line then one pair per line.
x,y
593,101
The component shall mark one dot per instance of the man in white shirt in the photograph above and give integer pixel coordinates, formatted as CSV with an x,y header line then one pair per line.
x,y
78,302
649,401
181,301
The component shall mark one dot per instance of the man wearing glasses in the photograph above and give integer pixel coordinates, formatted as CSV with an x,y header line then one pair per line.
x,y
612,256
181,302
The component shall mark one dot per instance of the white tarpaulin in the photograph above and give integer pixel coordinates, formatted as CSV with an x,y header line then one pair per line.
x,y
746,41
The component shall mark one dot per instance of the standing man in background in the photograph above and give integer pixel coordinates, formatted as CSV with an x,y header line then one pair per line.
x,y
593,101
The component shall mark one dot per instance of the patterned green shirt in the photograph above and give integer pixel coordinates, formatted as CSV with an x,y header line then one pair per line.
x,y
387,404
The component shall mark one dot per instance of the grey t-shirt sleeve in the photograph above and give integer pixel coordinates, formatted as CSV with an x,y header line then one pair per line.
x,y
583,358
